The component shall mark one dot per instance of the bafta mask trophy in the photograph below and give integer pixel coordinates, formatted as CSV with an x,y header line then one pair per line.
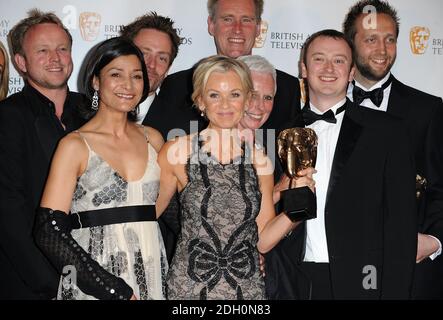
x,y
297,150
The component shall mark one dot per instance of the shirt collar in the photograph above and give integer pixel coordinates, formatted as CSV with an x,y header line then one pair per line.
x,y
375,86
333,108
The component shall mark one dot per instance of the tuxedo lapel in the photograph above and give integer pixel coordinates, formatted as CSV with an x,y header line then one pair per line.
x,y
154,109
349,134
397,100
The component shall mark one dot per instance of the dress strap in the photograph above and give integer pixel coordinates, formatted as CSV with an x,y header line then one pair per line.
x,y
145,132
152,152
84,139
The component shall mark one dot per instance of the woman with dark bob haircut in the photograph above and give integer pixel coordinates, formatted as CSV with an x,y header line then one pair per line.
x,y
100,57
97,220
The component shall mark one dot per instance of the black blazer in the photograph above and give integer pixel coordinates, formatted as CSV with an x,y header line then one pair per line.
x,y
28,138
157,116
423,116
370,214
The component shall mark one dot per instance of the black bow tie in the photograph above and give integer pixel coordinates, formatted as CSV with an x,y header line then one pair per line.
x,y
310,116
375,95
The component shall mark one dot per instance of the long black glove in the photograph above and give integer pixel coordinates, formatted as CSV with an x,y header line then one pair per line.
x,y
52,233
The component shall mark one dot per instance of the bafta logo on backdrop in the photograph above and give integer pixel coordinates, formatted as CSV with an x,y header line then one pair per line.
x,y
261,38
89,25
418,39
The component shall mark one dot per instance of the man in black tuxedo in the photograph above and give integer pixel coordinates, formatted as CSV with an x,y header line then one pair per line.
x,y
376,88
234,24
158,40
31,123
362,245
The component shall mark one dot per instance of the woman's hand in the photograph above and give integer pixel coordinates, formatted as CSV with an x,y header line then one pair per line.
x,y
261,264
281,185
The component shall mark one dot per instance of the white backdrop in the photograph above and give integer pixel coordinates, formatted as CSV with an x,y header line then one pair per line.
x,y
289,23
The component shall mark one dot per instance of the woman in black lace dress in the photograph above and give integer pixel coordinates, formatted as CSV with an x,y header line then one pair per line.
x,y
225,193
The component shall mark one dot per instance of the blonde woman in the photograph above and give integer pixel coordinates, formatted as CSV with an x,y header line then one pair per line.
x,y
4,72
225,193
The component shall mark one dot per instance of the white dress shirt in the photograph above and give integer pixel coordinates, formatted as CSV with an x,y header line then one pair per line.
x,y
384,107
143,108
327,133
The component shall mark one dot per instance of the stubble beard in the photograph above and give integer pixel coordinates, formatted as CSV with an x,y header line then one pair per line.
x,y
368,72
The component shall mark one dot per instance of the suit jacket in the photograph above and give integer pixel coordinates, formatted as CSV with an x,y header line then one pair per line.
x,y
370,215
29,133
172,108
423,116
157,117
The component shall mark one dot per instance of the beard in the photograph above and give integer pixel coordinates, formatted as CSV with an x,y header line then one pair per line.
x,y
369,73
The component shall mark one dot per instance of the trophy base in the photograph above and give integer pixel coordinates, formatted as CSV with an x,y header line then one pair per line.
x,y
299,204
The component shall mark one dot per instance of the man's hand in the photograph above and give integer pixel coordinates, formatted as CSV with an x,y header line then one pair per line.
x,y
426,245
304,179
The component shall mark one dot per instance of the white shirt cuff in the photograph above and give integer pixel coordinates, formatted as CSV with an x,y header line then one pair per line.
x,y
438,252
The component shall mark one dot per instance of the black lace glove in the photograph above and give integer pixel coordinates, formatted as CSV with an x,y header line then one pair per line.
x,y
52,233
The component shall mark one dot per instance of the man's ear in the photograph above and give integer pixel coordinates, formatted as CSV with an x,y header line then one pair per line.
x,y
351,74
304,70
20,62
211,26
257,29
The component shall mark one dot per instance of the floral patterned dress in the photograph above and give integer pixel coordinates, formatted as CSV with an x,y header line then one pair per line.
x,y
133,251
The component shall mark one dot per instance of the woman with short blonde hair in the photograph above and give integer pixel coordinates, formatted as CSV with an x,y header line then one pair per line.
x,y
4,72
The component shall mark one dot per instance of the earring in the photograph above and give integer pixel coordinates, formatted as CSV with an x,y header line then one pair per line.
x,y
94,104
202,113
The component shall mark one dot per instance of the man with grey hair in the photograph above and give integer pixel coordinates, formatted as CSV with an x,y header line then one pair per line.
x,y
234,25
31,123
